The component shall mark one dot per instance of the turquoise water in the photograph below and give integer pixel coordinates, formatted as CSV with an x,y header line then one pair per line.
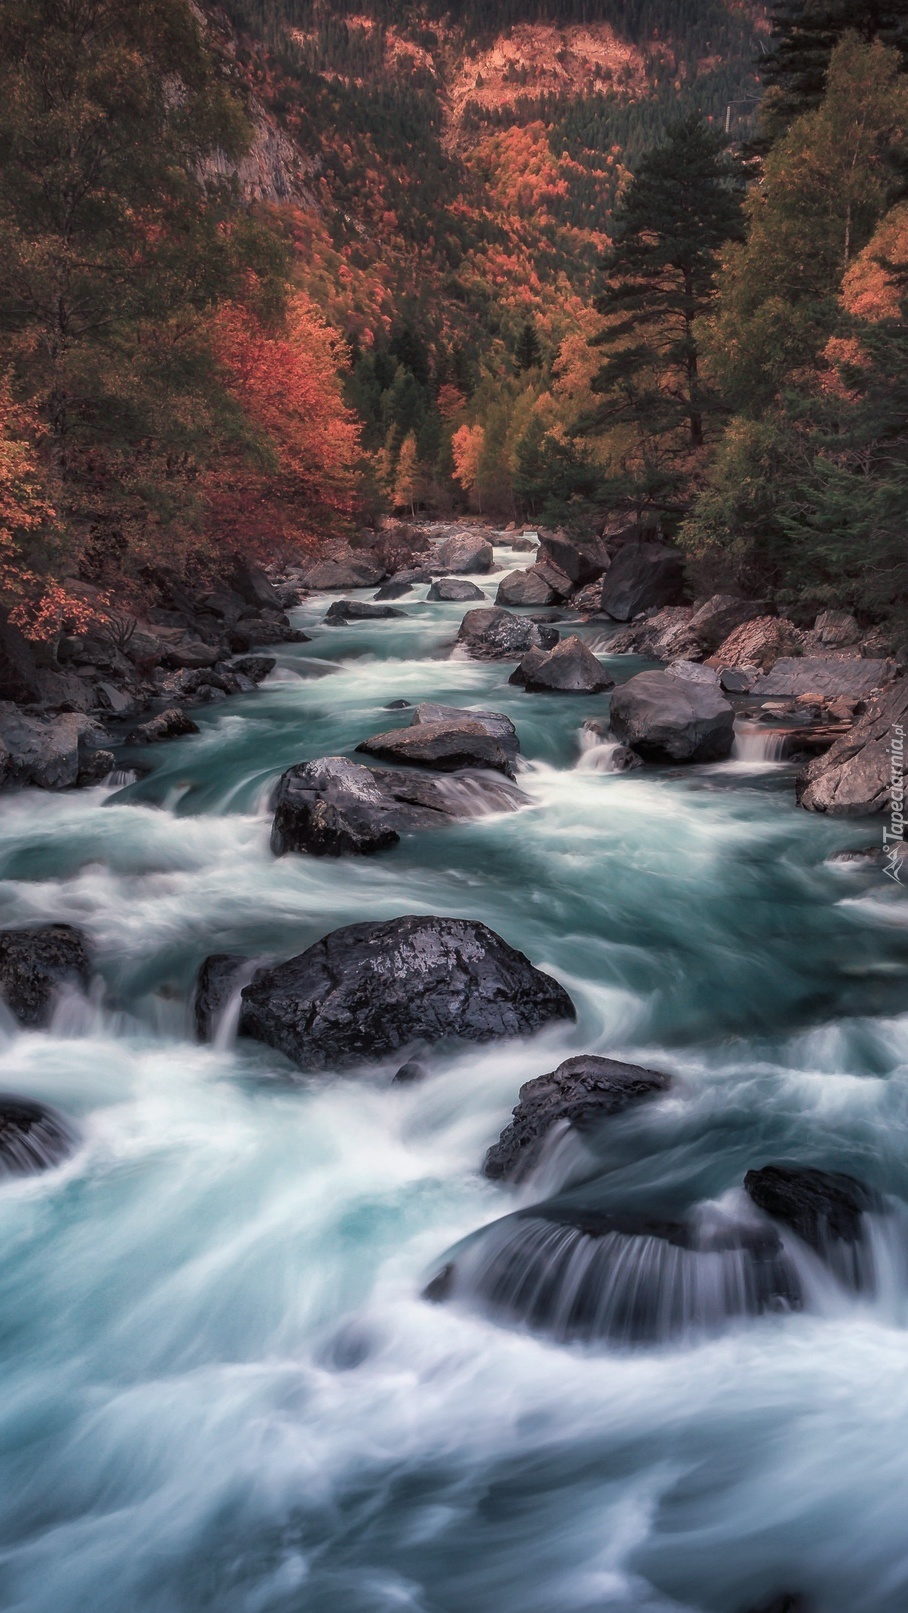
x,y
220,1388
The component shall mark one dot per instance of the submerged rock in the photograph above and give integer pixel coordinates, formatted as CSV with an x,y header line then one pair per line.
x,y
447,746
496,635
665,718
642,576
580,1274
580,1092
854,777
334,807
369,990
464,551
454,589
216,982
33,1137
34,964
825,1208
571,668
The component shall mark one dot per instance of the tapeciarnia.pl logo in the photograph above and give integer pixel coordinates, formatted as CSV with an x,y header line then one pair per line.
x,y
895,834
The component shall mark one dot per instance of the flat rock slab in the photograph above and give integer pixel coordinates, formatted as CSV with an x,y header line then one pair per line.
x,y
581,1091
494,722
496,635
447,746
367,991
854,778
334,807
359,610
664,718
826,675
34,964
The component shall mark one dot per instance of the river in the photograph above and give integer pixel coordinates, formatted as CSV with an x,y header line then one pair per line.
x,y
221,1389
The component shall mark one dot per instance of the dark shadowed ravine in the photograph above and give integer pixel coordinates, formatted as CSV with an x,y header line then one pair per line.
x,y
222,1387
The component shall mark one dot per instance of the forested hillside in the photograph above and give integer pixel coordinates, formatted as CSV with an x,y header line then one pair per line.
x,y
273,268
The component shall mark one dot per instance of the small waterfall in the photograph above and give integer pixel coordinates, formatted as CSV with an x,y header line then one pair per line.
x,y
32,1136
758,744
585,1277
472,797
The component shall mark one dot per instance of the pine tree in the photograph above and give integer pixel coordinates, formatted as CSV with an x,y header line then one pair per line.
x,y
804,35
527,352
682,204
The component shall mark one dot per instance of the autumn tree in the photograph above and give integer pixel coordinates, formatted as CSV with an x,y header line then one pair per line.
x,y
681,206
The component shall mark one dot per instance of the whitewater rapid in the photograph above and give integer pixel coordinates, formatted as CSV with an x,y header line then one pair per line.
x,y
221,1389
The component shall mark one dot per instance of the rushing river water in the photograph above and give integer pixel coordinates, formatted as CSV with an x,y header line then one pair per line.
x,y
220,1387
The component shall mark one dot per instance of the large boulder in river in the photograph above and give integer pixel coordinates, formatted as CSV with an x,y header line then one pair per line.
x,y
581,560
496,635
54,753
356,571
33,1137
720,615
447,746
825,1208
525,588
343,611
671,719
34,964
494,722
855,777
367,991
456,589
333,807
170,724
581,1092
571,668
642,576
464,551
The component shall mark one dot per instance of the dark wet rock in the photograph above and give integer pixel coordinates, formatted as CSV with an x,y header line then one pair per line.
x,y
826,676
720,615
496,635
456,589
642,576
367,991
189,651
34,964
64,691
397,705
170,724
494,722
526,588
571,668
254,667
94,767
253,585
825,1208
666,719
394,590
409,1073
334,807
580,1092
359,610
854,777
579,1274
446,746
464,551
217,981
262,631
580,560
737,680
50,753
18,672
33,1137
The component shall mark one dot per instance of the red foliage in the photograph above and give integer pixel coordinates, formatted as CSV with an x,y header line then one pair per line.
x,y
295,481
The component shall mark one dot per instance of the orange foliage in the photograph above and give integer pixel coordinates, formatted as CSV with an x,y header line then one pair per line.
x,y
301,482
467,445
871,289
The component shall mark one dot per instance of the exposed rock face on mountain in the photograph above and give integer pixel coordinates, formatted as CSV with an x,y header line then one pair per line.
x,y
855,777
643,576
671,719
34,964
370,990
581,1092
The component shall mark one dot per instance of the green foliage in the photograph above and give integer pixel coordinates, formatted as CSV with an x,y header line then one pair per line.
x,y
805,34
